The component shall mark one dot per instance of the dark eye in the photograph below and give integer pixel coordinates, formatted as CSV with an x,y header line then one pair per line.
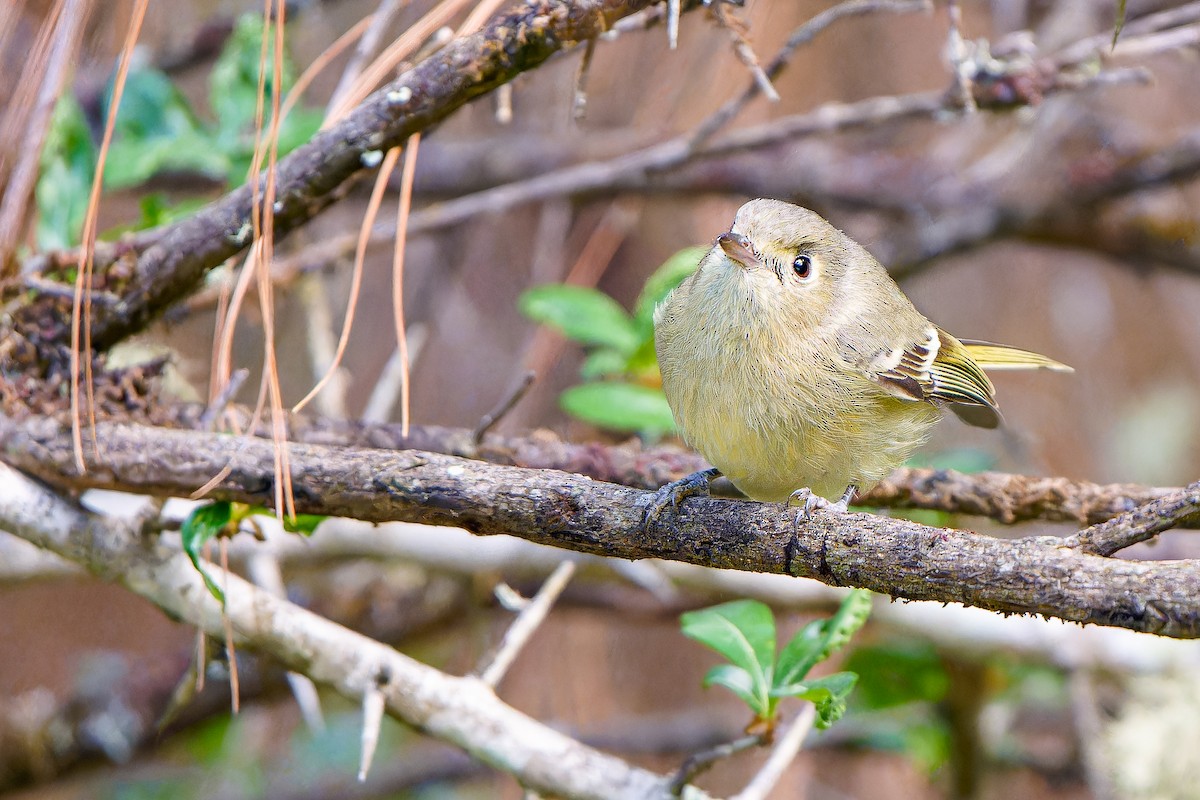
x,y
802,266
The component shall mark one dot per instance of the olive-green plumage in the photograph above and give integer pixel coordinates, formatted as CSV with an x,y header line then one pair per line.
x,y
791,359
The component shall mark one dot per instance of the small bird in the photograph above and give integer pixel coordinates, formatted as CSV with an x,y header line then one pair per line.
x,y
798,368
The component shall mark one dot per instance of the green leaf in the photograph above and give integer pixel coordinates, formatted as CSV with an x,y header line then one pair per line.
x,y
157,131
741,683
303,523
850,616
744,632
819,639
581,313
65,177
962,459
672,273
829,695
603,363
200,527
620,407
897,673
801,653
234,97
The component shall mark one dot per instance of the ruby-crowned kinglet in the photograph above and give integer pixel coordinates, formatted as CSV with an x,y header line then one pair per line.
x,y
795,364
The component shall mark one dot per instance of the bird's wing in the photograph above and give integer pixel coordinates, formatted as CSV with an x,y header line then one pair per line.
x,y
1000,356
937,368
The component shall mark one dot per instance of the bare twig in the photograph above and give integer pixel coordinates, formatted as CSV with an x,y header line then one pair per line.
x,y
801,36
368,46
374,704
1138,525
742,48
391,379
698,763
527,622
505,405
1099,45
216,408
324,351
782,755
960,63
579,95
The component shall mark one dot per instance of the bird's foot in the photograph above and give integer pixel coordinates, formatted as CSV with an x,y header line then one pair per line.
x,y
676,492
811,502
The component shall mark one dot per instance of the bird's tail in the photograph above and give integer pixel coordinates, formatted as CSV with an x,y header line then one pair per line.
x,y
1001,356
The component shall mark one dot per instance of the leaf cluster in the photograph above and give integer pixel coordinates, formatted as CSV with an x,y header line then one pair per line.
x,y
744,632
622,388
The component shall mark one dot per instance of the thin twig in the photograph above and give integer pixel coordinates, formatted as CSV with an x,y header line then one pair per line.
x,y
782,755
391,378
374,704
960,63
323,349
1094,46
527,622
502,408
368,46
742,48
801,36
216,408
1138,525
579,96
698,763
504,104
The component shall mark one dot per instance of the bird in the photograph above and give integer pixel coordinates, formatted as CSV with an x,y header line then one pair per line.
x,y
795,364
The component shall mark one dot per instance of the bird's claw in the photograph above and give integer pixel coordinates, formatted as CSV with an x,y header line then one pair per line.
x,y
675,492
814,502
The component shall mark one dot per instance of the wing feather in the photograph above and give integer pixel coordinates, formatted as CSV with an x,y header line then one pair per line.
x,y
940,369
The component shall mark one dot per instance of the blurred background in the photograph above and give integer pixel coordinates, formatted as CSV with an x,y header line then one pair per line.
x,y
1068,226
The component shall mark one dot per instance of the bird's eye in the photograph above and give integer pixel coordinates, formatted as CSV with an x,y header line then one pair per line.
x,y
802,266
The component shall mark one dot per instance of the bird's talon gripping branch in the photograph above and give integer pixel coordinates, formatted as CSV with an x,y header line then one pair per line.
x,y
811,502
676,492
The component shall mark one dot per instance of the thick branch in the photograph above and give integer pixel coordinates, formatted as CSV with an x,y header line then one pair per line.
x,y
1000,496
463,711
895,557
308,179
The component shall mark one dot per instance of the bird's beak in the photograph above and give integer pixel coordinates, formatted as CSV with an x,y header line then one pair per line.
x,y
739,249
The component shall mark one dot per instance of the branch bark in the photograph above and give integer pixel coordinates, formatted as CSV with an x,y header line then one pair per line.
x,y
1039,575
462,711
1000,496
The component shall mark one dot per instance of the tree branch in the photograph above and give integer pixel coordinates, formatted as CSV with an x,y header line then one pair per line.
x,y
309,179
1000,496
895,557
462,711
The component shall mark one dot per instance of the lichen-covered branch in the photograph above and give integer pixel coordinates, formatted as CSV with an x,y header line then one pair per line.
x,y
462,711
1001,496
895,557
